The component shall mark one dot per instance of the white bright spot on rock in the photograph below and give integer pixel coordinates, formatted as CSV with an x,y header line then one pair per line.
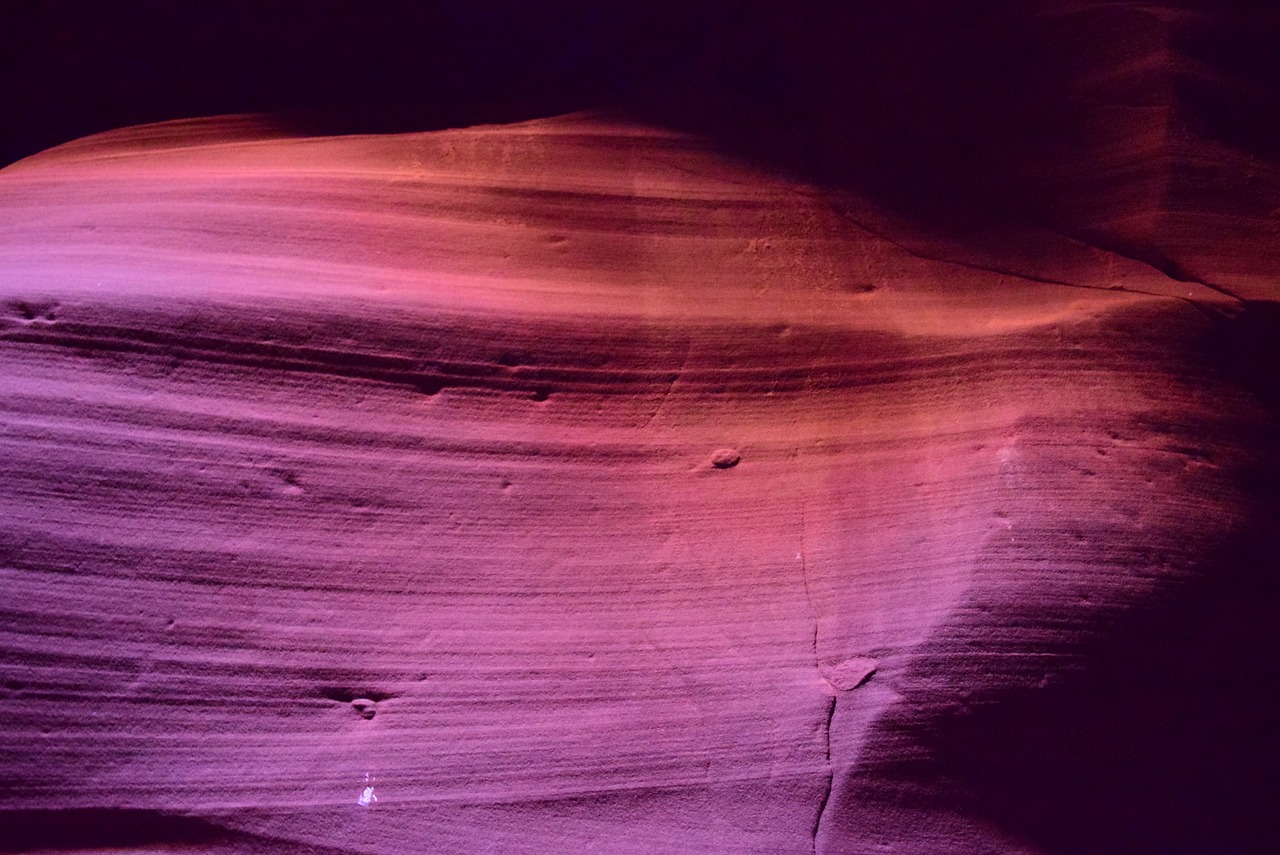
x,y
367,797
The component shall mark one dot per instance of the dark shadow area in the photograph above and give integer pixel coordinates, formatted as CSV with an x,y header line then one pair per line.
x,y
1164,742
1155,730
1239,103
69,68
909,101
944,112
1165,739
1078,118
1248,352
24,830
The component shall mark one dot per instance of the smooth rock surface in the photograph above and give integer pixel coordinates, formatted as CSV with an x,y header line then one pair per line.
x,y
570,487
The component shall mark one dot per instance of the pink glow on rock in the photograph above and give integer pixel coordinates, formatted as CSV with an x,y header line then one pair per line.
x,y
597,491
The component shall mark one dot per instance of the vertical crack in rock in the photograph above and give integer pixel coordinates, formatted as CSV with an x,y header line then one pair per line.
x,y
831,776
803,556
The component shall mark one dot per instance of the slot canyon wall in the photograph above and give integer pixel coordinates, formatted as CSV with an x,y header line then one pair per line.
x,y
863,441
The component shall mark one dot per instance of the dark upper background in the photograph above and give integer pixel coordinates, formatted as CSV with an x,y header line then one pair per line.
x,y
917,100
74,67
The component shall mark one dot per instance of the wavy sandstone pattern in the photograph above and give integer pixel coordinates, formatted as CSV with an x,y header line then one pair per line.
x,y
589,491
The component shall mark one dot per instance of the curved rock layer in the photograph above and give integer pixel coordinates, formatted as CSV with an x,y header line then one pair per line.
x,y
568,487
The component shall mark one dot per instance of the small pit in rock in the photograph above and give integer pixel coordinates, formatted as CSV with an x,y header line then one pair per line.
x,y
34,310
